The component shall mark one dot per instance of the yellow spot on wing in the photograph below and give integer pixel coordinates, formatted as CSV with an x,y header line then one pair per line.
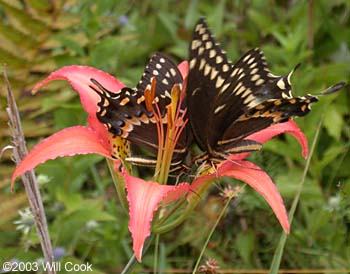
x,y
213,74
255,77
259,82
103,113
225,68
192,63
207,69
219,82
208,45
212,53
124,101
281,84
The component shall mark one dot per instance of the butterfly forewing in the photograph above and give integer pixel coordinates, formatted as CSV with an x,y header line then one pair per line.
x,y
237,92
208,66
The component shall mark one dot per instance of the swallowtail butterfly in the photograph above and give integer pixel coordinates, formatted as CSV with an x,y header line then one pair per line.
x,y
226,102
125,114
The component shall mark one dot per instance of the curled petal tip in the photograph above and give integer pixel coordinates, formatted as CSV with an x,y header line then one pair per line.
x,y
287,228
80,79
290,127
255,177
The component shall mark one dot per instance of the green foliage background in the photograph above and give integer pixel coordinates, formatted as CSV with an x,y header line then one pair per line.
x,y
85,218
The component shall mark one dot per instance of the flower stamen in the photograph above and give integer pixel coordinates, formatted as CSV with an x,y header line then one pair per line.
x,y
167,137
150,93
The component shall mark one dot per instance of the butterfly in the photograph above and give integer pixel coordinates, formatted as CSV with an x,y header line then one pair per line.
x,y
125,113
226,102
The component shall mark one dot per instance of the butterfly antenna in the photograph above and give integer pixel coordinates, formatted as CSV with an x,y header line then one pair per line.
x,y
334,88
100,90
296,67
330,90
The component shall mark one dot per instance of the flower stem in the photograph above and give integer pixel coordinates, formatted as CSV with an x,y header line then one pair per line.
x,y
171,225
132,261
211,233
156,254
119,184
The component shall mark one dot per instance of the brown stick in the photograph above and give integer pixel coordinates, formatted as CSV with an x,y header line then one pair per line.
x,y
29,179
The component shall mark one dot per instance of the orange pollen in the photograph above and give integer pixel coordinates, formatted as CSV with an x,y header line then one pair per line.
x,y
150,93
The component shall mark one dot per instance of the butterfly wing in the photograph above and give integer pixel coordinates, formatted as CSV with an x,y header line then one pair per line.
x,y
217,92
203,80
261,116
249,84
166,73
227,103
124,113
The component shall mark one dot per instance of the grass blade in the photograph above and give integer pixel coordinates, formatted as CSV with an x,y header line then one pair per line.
x,y
279,250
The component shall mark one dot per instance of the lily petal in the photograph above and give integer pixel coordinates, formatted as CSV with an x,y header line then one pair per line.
x,y
183,68
266,134
144,198
288,127
257,179
100,130
79,77
67,142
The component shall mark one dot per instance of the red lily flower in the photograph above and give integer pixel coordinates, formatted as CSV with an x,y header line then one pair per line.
x,y
145,197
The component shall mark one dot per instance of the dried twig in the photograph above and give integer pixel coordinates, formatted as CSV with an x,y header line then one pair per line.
x,y
29,179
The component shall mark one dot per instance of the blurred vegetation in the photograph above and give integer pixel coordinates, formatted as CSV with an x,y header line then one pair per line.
x,y
86,222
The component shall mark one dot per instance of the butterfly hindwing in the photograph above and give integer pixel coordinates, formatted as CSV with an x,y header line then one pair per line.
x,y
166,74
265,114
238,92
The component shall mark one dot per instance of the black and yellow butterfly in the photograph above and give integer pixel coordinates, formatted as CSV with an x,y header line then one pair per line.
x,y
226,102
125,113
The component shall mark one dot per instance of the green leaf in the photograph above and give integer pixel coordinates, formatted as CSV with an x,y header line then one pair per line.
x,y
192,14
245,245
333,122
